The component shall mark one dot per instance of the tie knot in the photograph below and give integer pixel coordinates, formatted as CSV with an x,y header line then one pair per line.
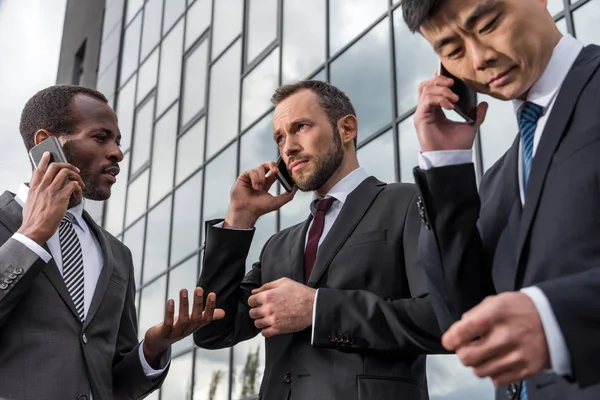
x,y
530,113
325,204
67,219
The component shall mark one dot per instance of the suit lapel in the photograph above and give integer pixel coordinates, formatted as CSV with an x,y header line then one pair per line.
x,y
586,64
298,248
355,207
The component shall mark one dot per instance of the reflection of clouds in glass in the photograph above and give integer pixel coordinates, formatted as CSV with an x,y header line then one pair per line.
x,y
143,136
184,276
151,29
137,197
258,87
152,308
561,24
320,76
348,18
448,379
186,219
498,130
377,157
163,155
131,49
240,354
194,84
115,205
157,240
409,149
262,26
207,363
227,24
586,20
125,112
297,210
178,384
132,8
198,19
173,10
134,240
220,176
170,68
555,6
303,49
147,76
190,150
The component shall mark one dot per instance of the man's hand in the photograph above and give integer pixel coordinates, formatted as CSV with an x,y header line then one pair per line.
x,y
282,306
173,329
250,197
50,190
501,338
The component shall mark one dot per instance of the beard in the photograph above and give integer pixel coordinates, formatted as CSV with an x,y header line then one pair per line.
x,y
326,164
92,190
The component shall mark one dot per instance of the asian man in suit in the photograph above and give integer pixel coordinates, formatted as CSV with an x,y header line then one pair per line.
x,y
341,297
515,268
68,323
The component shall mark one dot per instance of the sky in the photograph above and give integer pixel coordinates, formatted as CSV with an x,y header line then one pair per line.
x,y
30,37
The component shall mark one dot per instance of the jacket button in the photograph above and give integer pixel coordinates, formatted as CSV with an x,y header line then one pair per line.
x,y
332,338
3,286
511,391
288,377
82,397
84,338
18,271
351,340
345,339
339,339
7,280
12,276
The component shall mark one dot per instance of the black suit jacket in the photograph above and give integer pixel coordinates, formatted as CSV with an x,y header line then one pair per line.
x,y
46,352
373,322
475,245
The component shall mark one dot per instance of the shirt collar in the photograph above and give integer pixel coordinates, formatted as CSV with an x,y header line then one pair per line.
x,y
546,87
343,188
77,210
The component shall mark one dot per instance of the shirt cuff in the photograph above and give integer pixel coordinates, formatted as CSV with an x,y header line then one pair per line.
x,y
560,358
220,225
312,336
150,372
444,158
33,246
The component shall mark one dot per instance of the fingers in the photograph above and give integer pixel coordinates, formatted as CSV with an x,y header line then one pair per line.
x,y
481,112
64,176
481,351
285,198
509,363
257,175
184,307
54,169
438,96
168,322
258,312
435,81
39,173
198,305
269,285
263,323
255,300
211,304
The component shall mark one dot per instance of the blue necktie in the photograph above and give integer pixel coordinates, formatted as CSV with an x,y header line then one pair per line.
x,y
523,395
528,116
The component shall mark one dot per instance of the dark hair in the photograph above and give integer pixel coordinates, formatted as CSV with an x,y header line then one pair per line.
x,y
51,109
335,102
417,12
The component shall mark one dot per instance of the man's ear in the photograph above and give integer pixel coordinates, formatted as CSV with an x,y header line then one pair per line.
x,y
348,127
40,136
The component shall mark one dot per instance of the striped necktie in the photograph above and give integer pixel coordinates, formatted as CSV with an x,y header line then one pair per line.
x,y
72,262
528,116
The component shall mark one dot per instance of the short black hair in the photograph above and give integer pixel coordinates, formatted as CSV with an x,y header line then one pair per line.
x,y
333,100
417,12
51,109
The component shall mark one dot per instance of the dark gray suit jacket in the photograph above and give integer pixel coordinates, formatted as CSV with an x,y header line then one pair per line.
x,y
475,245
373,323
46,352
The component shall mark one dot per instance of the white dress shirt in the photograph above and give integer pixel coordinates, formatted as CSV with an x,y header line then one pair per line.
x,y
93,260
542,93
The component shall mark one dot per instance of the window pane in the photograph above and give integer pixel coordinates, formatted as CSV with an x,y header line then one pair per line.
x,y
137,195
163,155
113,17
377,157
194,86
585,19
190,150
248,382
115,205
498,130
409,149
186,219
415,62
227,24
131,49
262,26
152,306
258,88
178,384
348,18
448,379
220,176
198,20
303,49
109,51
173,10
296,211
95,209
157,240
561,24
320,76
107,81
170,68
133,6
125,111
368,59
224,99
555,6
134,239
151,31
147,76
184,276
142,136
212,370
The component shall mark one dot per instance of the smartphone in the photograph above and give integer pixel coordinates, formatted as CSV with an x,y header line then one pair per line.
x,y
51,145
466,106
283,176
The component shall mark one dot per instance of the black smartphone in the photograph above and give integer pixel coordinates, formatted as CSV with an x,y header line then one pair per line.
x,y
466,106
51,145
283,176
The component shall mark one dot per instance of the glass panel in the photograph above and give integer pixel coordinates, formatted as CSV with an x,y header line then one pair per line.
x,y
249,365
126,111
170,68
555,6
147,76
224,99
258,87
295,211
107,82
186,219
142,136
94,208
211,376
562,26
190,150
368,59
585,19
498,131
227,24
448,379
348,18
303,49
109,51
198,20
220,176
157,240
409,149
320,76
152,306
184,276
173,10
153,396
113,17
377,157
262,26
137,195
163,155
151,31
415,62
134,239
194,84
178,384
133,6
115,205
131,49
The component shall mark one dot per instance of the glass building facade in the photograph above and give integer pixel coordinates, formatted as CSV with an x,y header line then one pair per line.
x,y
191,82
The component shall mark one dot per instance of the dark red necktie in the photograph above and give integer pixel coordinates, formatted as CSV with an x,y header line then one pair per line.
x,y
314,234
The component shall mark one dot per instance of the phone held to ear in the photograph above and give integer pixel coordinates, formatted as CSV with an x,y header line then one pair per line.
x,y
466,106
51,145
283,176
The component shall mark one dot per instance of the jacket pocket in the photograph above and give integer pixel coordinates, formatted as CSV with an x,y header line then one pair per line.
x,y
367,237
379,387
